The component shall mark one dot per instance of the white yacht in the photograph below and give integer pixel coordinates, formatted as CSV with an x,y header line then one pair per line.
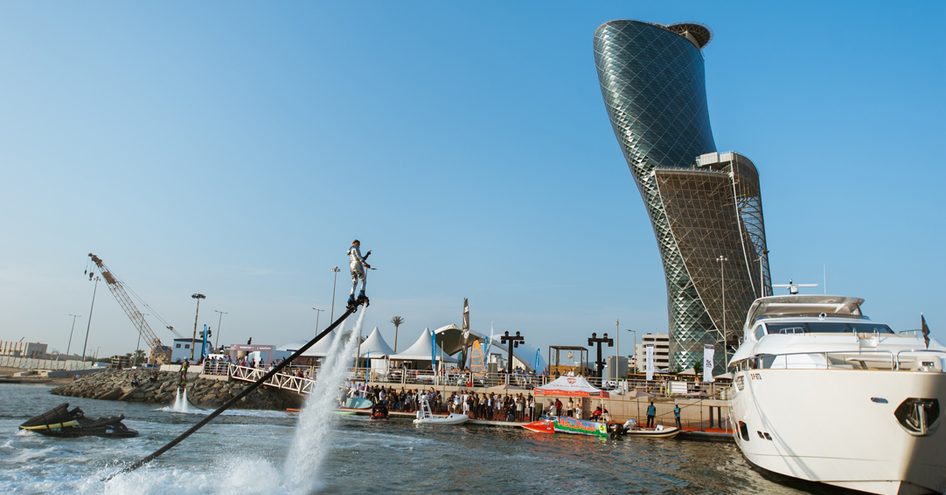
x,y
822,393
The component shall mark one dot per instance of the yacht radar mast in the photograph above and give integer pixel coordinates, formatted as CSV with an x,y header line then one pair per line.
x,y
793,287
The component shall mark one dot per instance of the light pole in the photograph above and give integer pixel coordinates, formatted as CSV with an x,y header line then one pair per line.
x,y
317,315
594,340
617,341
722,285
68,347
198,296
765,252
334,283
88,324
219,321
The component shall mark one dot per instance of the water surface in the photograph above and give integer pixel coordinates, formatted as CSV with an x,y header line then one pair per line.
x,y
245,452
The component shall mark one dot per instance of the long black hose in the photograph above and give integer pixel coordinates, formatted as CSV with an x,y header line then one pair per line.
x,y
246,391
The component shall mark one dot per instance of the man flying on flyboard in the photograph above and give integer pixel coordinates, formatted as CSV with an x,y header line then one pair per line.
x,y
359,267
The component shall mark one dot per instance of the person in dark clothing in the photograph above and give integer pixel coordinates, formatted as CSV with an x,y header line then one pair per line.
x,y
651,414
676,414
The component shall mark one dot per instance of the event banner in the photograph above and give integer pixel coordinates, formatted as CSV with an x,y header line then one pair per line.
x,y
708,352
649,362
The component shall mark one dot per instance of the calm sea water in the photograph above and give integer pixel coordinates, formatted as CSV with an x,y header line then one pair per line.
x,y
244,453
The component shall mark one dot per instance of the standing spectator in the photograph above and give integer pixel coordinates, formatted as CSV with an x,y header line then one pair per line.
x,y
651,414
676,414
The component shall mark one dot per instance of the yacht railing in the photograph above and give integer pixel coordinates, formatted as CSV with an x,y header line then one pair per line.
x,y
847,359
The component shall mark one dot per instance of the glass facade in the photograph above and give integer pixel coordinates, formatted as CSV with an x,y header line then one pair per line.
x,y
652,81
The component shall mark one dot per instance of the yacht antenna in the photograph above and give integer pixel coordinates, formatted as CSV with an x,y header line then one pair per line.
x,y
793,287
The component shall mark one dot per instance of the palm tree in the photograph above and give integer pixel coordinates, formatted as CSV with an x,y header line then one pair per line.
x,y
396,321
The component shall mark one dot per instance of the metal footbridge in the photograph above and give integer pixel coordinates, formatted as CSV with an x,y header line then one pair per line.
x,y
285,381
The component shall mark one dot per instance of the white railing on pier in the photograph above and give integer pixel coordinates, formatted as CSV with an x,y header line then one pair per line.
x,y
285,381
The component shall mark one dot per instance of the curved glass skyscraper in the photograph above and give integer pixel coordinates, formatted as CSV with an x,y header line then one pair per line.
x,y
706,207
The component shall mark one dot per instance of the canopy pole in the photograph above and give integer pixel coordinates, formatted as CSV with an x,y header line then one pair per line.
x,y
246,391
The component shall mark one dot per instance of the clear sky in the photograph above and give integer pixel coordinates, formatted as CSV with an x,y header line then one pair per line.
x,y
237,148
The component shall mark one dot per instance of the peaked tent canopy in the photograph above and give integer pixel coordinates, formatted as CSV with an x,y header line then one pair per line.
x,y
375,346
570,386
321,348
421,349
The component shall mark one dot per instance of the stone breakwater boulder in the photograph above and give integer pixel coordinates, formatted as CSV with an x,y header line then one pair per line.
x,y
201,392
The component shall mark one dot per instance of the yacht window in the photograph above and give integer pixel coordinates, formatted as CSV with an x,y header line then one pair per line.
x,y
827,327
744,431
759,332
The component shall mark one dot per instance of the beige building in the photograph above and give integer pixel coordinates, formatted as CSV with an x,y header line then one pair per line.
x,y
661,342
22,349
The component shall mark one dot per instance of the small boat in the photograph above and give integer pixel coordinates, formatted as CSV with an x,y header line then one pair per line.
x,y
358,403
659,432
379,411
61,422
426,417
575,426
540,426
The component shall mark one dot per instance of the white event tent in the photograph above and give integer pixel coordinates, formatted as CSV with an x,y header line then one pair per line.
x,y
421,350
375,346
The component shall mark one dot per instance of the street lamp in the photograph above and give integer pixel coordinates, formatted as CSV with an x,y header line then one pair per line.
x,y
219,321
334,283
765,252
88,324
722,284
68,347
511,341
198,296
317,315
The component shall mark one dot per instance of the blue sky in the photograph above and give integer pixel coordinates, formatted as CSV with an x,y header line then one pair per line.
x,y
237,148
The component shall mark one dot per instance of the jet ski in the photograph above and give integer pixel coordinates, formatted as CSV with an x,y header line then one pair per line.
x,y
61,422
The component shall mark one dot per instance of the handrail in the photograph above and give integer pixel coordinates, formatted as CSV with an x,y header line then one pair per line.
x,y
896,360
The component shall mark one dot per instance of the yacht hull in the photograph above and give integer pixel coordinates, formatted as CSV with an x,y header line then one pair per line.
x,y
838,427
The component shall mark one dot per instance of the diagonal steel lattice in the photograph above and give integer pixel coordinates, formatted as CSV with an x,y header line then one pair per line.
x,y
652,81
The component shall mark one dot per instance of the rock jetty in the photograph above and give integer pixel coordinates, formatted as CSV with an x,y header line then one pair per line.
x,y
161,388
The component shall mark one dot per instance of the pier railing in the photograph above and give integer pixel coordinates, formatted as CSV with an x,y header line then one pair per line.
x,y
300,379
286,381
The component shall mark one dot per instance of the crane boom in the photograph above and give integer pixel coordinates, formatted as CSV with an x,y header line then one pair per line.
x,y
124,300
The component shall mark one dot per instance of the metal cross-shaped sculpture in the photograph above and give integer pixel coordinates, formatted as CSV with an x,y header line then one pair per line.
x,y
511,341
595,340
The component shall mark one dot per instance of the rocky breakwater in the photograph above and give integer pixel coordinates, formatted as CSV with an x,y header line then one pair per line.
x,y
161,388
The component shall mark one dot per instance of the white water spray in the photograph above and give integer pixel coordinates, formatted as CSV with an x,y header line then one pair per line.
x,y
316,423
180,402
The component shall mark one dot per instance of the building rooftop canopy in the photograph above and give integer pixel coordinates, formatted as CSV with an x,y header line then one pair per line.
x,y
698,34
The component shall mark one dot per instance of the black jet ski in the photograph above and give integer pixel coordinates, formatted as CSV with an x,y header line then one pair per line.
x,y
61,422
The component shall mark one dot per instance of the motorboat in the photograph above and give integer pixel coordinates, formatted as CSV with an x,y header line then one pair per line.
x,y
426,417
60,421
565,424
822,393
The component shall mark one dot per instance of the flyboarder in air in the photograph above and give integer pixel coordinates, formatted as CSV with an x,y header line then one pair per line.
x,y
359,267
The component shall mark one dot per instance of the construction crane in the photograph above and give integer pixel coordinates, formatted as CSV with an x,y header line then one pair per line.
x,y
120,291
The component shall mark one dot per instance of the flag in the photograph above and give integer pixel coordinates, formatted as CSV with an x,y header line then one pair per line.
x,y
535,364
490,341
925,331
649,361
708,352
466,317
433,350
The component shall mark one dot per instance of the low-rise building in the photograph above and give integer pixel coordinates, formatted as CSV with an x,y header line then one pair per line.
x,y
22,349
